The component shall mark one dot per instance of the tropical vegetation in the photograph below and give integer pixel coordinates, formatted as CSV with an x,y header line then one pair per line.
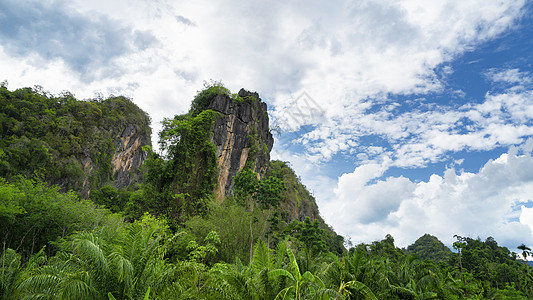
x,y
167,238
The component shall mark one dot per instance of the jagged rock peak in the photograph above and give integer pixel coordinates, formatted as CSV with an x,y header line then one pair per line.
x,y
241,136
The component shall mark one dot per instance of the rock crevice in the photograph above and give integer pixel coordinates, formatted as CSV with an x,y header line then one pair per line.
x,y
241,136
128,156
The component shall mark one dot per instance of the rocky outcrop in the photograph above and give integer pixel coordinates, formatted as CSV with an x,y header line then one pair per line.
x,y
128,156
241,136
124,162
112,151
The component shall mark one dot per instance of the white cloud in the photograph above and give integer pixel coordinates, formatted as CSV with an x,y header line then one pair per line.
x,y
367,204
88,44
511,76
346,56
349,57
416,137
374,58
487,203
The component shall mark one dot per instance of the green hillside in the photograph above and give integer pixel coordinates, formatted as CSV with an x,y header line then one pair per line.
x,y
62,140
69,231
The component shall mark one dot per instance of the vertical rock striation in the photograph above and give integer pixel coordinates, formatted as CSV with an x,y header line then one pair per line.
x,y
124,161
128,156
113,152
241,136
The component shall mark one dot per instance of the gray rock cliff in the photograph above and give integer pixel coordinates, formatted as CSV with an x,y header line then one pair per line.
x,y
241,136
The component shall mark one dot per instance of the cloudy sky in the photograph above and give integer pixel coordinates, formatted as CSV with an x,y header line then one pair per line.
x,y
402,117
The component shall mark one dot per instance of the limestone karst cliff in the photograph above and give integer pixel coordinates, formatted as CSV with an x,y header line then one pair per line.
x,y
128,156
86,145
119,164
241,136
77,145
125,159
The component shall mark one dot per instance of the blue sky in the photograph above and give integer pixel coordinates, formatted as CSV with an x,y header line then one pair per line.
x,y
402,117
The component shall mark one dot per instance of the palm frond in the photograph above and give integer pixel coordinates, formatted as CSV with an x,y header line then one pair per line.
x,y
261,258
362,289
293,265
240,284
122,271
41,284
147,295
280,253
283,293
281,272
77,286
9,271
87,247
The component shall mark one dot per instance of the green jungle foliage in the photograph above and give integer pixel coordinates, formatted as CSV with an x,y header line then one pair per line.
x,y
51,137
296,198
34,215
204,97
111,198
179,184
147,260
170,240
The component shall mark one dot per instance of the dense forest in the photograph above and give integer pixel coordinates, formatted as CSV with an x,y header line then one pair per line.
x,y
68,232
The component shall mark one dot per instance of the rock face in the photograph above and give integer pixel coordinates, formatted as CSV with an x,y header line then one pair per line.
x,y
128,156
125,162
241,136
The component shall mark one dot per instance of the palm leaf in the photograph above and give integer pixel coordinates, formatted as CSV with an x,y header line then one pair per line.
x,y
40,284
77,286
147,295
403,292
283,293
362,289
122,270
281,272
239,283
9,271
294,265
262,258
307,276
86,246
280,253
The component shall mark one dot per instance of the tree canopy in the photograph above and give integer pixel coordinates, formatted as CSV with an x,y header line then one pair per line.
x,y
169,239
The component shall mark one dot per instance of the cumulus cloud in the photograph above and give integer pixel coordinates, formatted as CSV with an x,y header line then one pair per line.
x,y
55,31
420,135
374,50
514,78
348,56
492,202
351,59
375,201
